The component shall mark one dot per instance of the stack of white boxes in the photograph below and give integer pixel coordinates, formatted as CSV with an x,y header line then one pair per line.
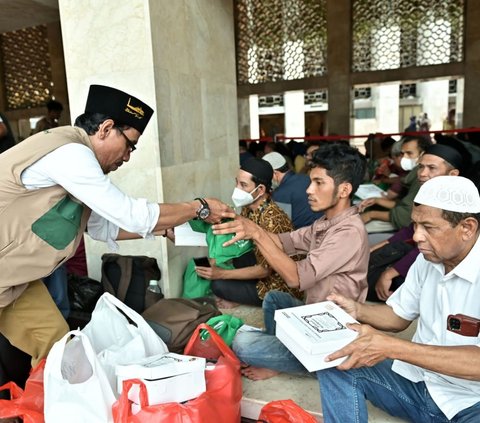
x,y
168,377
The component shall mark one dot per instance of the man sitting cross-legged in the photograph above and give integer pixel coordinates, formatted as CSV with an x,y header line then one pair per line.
x,y
336,260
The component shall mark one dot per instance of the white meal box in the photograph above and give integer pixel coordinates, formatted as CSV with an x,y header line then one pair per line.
x,y
168,377
313,331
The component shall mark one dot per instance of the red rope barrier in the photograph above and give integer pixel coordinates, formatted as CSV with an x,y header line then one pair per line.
x,y
345,137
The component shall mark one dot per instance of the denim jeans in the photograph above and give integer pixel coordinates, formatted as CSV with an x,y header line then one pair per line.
x,y
276,300
264,349
57,285
344,395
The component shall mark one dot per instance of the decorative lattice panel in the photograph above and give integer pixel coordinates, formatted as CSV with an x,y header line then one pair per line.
x,y
26,67
392,34
280,40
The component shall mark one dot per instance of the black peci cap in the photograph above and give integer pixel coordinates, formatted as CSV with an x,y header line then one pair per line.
x,y
123,108
260,169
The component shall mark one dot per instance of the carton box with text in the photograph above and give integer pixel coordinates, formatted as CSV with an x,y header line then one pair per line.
x,y
313,331
168,377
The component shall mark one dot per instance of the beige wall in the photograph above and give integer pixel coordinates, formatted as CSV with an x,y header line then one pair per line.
x,y
179,58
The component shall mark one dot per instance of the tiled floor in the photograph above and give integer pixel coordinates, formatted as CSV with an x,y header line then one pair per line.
x,y
304,391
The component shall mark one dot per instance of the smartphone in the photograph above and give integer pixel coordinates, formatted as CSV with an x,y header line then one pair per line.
x,y
201,262
463,325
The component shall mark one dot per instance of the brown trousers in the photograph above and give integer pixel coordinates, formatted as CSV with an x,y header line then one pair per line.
x,y
33,323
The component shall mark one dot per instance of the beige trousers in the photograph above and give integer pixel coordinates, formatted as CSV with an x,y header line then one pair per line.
x,y
33,323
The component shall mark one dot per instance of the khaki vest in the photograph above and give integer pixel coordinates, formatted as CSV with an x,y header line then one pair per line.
x,y
40,229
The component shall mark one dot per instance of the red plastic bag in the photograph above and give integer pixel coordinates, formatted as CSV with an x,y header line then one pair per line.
x,y
285,411
220,402
28,403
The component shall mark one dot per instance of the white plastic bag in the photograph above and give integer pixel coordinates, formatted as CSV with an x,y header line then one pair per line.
x,y
116,340
77,389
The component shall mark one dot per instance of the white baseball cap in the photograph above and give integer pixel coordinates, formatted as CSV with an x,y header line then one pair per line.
x,y
275,159
452,193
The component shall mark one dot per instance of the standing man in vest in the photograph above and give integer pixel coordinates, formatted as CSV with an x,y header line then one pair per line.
x,y
55,183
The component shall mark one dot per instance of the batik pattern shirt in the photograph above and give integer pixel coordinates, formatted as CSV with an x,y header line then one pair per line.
x,y
273,219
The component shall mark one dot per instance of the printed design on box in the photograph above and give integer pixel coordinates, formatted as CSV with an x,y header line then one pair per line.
x,y
323,322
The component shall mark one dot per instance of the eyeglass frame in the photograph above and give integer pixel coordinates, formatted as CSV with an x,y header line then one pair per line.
x,y
130,145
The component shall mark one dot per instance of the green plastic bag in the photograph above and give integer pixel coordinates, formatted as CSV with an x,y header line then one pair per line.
x,y
194,286
225,325
215,243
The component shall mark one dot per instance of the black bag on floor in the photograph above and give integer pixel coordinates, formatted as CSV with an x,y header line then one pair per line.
x,y
175,319
15,365
83,294
127,278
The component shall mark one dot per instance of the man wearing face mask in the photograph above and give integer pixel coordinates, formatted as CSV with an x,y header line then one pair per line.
x,y
290,188
252,277
398,211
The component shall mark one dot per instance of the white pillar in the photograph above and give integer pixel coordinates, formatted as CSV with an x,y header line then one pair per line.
x,y
294,104
387,105
167,54
434,97
254,117
459,103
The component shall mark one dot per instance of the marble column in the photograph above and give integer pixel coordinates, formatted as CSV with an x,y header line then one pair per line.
x,y
179,57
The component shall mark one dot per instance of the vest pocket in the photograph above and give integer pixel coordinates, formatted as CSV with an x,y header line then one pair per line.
x,y
59,226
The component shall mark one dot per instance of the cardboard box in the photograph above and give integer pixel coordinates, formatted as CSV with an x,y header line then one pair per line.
x,y
168,377
313,331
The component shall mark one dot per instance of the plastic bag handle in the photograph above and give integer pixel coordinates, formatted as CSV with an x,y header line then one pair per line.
x,y
217,339
123,405
54,361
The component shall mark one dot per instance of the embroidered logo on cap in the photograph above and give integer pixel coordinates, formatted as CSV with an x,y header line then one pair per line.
x,y
135,111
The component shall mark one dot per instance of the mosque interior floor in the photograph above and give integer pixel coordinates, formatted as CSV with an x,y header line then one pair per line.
x,y
303,390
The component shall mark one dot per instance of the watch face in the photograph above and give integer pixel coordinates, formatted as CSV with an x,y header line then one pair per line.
x,y
204,213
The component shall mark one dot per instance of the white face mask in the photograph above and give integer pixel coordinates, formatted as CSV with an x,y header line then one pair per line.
x,y
408,164
242,198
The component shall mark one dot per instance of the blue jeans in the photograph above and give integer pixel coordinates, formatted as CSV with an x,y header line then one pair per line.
x,y
276,300
57,285
264,349
344,395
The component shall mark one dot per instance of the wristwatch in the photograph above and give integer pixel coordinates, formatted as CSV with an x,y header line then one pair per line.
x,y
204,210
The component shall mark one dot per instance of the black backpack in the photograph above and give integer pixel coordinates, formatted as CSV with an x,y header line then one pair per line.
x,y
127,278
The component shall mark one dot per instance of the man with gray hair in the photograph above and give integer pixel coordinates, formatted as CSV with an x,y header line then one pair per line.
x,y
436,376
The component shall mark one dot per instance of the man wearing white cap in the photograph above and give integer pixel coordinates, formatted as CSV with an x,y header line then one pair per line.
x,y
290,190
436,376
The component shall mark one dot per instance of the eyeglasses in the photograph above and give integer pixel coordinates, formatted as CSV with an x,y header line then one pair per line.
x,y
130,145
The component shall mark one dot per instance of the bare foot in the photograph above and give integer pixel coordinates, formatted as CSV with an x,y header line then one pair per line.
x,y
221,303
258,373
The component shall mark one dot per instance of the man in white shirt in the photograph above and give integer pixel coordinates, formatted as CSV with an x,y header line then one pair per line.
x,y
436,376
53,186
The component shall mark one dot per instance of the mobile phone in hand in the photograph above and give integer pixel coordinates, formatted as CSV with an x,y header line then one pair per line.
x,y
201,262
